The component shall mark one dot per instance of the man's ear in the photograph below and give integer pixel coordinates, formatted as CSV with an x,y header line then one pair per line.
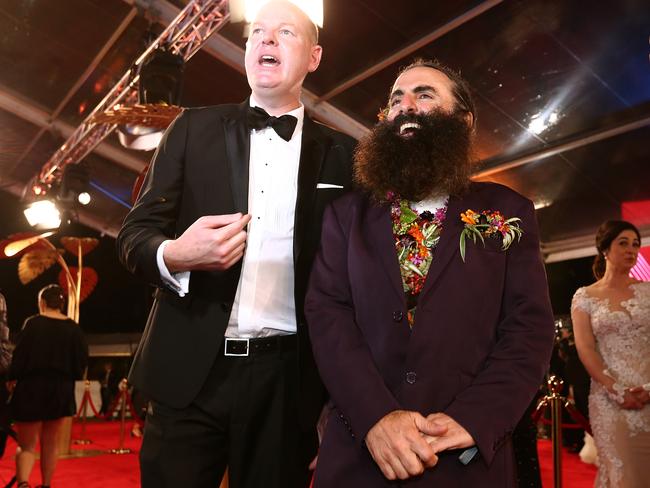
x,y
469,119
314,57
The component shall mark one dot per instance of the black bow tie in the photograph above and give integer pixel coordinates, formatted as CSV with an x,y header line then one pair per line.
x,y
258,118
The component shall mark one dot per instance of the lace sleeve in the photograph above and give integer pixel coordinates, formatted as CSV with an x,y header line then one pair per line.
x,y
581,301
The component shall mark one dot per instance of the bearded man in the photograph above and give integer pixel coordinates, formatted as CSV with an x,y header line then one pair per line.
x,y
428,308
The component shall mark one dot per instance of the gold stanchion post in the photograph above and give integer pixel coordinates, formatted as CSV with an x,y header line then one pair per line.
x,y
121,449
557,401
84,414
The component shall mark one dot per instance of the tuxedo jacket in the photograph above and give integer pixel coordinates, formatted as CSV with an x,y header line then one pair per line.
x,y
201,168
478,349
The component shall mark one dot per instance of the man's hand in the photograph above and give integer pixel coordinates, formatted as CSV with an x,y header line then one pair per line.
x,y
398,447
213,242
455,437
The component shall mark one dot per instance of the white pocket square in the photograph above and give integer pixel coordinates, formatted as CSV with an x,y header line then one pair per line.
x,y
327,185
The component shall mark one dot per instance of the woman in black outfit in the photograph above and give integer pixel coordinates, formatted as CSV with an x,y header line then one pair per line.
x,y
50,354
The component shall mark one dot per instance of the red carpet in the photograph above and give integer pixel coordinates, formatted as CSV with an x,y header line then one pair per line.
x,y
98,471
121,471
575,473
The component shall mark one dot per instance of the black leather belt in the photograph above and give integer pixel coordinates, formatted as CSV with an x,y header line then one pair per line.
x,y
261,345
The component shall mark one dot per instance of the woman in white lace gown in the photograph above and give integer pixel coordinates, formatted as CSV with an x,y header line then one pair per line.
x,y
611,323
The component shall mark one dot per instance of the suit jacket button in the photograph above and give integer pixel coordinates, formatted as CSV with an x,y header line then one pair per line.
x,y
411,377
398,316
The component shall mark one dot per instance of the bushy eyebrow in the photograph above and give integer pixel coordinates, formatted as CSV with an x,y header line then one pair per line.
x,y
418,89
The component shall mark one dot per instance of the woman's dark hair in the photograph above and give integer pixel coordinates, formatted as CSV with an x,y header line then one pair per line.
x,y
607,232
53,297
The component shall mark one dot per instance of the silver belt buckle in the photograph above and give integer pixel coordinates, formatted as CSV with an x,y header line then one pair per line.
x,y
232,339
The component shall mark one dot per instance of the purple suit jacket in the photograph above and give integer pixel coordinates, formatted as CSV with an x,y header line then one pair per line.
x,y
478,350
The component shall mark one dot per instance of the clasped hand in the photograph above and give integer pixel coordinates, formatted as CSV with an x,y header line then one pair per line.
x,y
635,398
213,243
405,443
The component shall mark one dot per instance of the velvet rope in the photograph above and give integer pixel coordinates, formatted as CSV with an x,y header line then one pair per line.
x,y
111,410
87,400
580,421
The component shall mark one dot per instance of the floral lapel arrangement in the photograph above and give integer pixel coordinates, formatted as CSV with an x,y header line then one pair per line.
x,y
490,224
416,235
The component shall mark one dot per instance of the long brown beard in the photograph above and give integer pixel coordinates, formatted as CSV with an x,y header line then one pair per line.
x,y
434,161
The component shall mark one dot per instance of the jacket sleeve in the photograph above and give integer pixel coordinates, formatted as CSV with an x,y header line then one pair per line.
x,y
343,358
153,217
493,404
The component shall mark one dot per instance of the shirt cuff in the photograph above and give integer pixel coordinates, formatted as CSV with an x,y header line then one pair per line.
x,y
179,282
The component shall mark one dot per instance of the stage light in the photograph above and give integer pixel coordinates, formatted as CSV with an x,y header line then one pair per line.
x,y
47,207
43,214
312,8
84,198
74,183
161,78
160,85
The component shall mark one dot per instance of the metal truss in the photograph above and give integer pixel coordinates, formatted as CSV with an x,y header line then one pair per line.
x,y
184,36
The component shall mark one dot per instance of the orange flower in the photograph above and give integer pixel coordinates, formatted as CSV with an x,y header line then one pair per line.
x,y
416,233
469,217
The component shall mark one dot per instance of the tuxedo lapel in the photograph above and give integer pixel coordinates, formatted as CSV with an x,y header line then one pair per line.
x,y
311,160
449,242
238,145
380,230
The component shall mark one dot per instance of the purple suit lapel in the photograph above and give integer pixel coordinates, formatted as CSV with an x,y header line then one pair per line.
x,y
383,245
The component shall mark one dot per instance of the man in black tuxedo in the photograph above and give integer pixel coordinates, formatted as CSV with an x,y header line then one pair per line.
x,y
226,226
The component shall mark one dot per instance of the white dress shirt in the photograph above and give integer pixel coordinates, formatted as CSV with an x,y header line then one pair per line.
x,y
430,204
264,303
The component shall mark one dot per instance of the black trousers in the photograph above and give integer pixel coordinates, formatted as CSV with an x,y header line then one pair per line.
x,y
245,418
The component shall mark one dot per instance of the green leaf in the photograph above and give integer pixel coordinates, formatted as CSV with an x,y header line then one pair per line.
x,y
413,268
462,245
507,240
408,215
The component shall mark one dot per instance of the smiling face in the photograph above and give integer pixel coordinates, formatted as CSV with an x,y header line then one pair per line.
x,y
624,250
420,90
280,51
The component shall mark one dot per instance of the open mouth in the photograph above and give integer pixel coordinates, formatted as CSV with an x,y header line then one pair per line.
x,y
268,60
408,128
